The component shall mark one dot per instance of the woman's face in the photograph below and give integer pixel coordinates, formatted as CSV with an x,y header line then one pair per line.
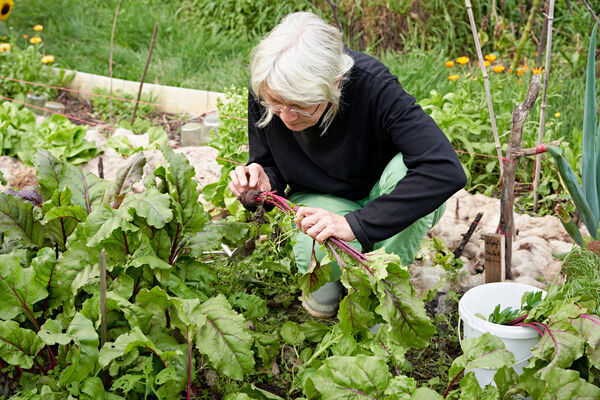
x,y
294,117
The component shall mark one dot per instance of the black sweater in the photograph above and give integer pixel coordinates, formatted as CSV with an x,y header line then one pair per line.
x,y
377,119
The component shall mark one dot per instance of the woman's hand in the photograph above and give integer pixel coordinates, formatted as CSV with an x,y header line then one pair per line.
x,y
321,224
251,177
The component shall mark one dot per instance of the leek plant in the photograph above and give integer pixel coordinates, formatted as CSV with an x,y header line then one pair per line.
x,y
586,197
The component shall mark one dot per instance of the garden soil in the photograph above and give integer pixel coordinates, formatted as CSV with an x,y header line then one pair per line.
x,y
537,240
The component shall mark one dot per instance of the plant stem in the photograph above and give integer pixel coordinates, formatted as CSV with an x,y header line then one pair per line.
x,y
189,369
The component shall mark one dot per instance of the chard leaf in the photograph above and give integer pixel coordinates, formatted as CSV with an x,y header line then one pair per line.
x,y
19,288
61,217
485,351
124,344
470,389
126,177
359,377
101,224
87,189
401,386
566,384
85,355
291,333
93,387
151,205
400,307
44,265
183,189
424,393
560,346
52,332
145,255
224,338
18,222
316,276
18,346
126,383
48,170
314,331
77,257
354,313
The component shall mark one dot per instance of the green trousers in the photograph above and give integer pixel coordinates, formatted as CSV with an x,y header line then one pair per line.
x,y
404,244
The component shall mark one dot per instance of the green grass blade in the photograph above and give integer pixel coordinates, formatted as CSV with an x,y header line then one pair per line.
x,y
589,152
566,172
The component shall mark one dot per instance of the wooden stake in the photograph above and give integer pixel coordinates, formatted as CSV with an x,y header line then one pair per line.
x,y
526,33
538,157
458,251
103,330
495,267
486,84
507,224
144,74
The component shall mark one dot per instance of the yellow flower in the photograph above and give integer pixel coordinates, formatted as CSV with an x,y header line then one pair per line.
x,y
47,59
462,60
5,8
38,28
557,114
537,71
5,47
449,63
519,72
35,40
490,57
499,68
453,77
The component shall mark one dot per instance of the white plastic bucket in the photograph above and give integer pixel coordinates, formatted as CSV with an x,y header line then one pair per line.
x,y
482,300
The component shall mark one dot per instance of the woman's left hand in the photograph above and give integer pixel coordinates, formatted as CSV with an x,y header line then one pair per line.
x,y
321,224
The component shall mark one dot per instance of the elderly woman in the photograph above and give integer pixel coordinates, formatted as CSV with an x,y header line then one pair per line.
x,y
334,130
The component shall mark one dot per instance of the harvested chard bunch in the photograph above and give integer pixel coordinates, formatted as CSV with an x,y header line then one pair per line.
x,y
252,199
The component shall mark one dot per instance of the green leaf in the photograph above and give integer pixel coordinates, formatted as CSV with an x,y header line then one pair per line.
x,y
61,217
48,171
424,393
151,205
354,312
93,387
589,142
470,389
18,346
360,377
314,331
166,375
564,384
316,276
19,289
291,333
577,195
485,351
87,189
225,339
52,332
400,307
560,346
126,383
101,224
145,255
126,177
18,222
252,306
183,189
85,337
124,344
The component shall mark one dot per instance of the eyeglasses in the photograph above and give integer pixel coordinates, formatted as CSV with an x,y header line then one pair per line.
x,y
278,109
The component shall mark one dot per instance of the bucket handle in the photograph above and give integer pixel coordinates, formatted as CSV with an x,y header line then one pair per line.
x,y
460,342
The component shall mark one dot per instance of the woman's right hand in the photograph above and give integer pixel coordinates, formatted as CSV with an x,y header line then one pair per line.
x,y
251,177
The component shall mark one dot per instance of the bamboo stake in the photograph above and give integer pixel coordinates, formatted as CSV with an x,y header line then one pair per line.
x,y
538,157
526,32
591,11
144,74
103,330
486,84
110,59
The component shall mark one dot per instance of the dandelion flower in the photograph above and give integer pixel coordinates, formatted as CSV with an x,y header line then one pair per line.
x,y
38,28
537,71
47,59
449,63
5,47
490,57
453,77
499,68
557,114
35,40
462,60
5,8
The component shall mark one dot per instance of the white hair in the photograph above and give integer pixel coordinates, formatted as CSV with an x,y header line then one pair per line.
x,y
303,61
